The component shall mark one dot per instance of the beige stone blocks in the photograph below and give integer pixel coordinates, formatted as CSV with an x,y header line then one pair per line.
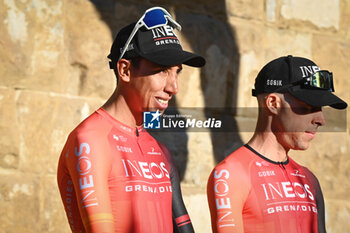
x,y
9,130
52,214
240,9
46,52
328,162
333,54
34,127
323,14
337,215
200,217
19,202
30,203
44,127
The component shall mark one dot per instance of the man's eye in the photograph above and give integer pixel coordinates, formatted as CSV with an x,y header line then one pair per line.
x,y
160,70
163,71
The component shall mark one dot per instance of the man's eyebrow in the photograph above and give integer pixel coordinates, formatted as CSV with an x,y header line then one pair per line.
x,y
159,68
179,70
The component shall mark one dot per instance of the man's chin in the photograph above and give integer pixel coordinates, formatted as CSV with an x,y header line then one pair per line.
x,y
302,147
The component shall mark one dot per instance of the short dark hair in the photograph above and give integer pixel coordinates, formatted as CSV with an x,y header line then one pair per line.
x,y
135,62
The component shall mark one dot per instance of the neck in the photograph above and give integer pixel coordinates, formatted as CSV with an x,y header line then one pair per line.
x,y
118,107
265,142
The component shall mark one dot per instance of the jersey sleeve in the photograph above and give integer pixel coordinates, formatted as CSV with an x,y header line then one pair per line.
x,y
321,222
227,191
181,220
88,163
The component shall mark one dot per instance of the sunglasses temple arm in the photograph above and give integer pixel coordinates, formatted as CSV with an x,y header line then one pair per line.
x,y
168,15
132,34
177,25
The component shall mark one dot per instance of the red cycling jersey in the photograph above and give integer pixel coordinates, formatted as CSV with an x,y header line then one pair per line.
x,y
250,193
114,178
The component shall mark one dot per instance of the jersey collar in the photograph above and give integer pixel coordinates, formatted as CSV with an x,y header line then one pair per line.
x,y
133,131
265,158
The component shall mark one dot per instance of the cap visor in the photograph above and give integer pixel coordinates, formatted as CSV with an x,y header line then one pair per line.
x,y
171,57
318,98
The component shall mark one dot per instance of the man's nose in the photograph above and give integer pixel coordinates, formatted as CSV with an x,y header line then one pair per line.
x,y
172,85
319,118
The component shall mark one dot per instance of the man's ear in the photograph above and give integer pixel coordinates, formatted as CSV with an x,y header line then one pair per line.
x,y
123,68
273,103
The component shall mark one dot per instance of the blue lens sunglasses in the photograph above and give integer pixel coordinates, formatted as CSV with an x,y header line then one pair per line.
x,y
152,18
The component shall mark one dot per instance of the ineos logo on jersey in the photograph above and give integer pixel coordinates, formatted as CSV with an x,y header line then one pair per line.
x,y
286,190
84,165
279,195
148,188
221,188
144,169
86,181
223,204
68,202
303,206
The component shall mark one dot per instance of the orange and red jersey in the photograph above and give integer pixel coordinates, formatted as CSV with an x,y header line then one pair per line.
x,y
114,178
249,193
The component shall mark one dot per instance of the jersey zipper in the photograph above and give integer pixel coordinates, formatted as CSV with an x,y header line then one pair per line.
x,y
285,173
138,143
282,165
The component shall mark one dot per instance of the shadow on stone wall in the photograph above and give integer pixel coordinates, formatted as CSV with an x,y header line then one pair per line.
x,y
208,32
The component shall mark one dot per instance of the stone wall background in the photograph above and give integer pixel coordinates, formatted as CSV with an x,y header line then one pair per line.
x,y
54,73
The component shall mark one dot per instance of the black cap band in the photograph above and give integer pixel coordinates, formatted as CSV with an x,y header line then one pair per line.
x,y
280,75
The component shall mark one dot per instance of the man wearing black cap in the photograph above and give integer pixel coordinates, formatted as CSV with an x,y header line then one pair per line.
x,y
113,176
259,188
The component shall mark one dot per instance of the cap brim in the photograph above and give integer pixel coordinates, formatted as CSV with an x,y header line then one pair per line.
x,y
171,57
317,98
